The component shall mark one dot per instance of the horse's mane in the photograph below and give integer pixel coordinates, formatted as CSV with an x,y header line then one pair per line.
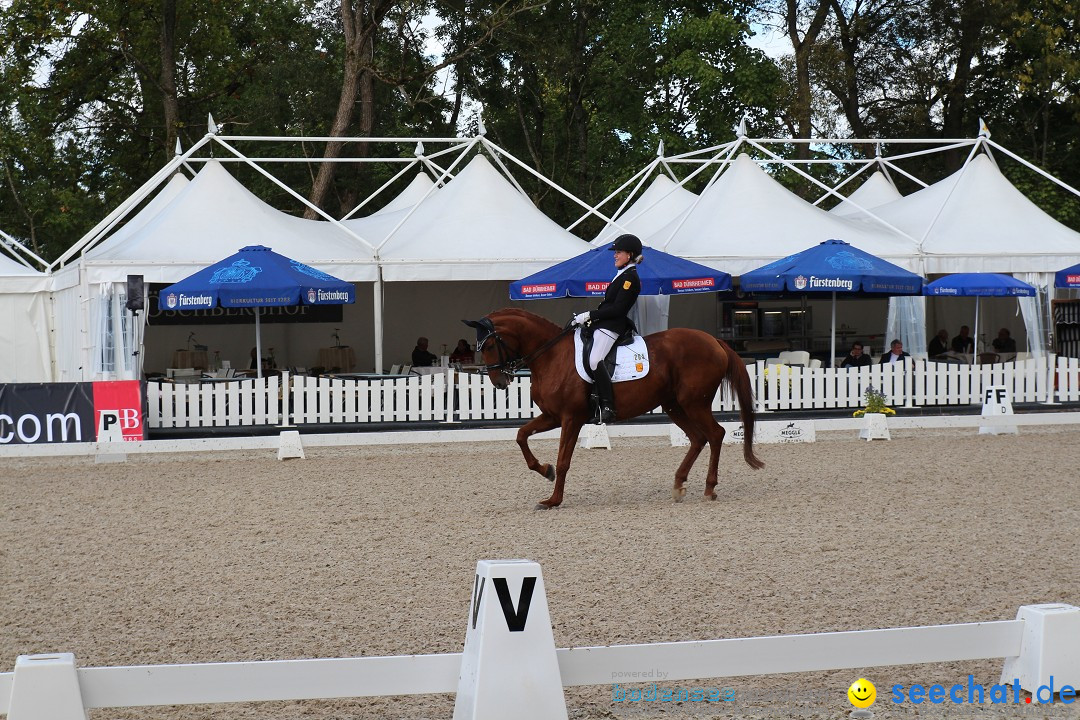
x,y
526,315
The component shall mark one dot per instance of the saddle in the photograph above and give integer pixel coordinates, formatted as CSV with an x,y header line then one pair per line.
x,y
625,338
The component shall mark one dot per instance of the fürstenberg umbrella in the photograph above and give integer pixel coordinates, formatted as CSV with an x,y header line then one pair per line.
x,y
256,277
978,285
832,266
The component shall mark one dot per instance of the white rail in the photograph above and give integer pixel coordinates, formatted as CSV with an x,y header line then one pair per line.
x,y
453,397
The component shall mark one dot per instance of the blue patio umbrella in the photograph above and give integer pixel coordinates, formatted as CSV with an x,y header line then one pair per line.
x,y
978,285
256,277
1068,278
588,275
832,266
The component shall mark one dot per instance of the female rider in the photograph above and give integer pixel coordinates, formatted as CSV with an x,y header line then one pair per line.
x,y
611,319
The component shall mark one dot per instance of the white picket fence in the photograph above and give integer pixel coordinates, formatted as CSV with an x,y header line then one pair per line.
x,y
454,397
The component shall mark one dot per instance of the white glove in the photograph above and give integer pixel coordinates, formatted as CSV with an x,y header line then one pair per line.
x,y
581,318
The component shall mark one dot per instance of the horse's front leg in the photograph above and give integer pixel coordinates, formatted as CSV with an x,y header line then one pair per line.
x,y
540,423
571,428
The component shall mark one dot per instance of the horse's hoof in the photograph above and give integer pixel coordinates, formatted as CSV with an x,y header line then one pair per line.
x,y
677,494
550,474
710,496
542,506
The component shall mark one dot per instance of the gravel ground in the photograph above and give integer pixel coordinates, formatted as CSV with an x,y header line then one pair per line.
x,y
207,557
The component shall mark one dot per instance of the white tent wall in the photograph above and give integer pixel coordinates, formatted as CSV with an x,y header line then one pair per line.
x,y
25,323
25,320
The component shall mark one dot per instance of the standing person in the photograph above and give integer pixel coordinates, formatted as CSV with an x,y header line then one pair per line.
x,y
939,344
420,355
856,358
610,319
963,343
896,353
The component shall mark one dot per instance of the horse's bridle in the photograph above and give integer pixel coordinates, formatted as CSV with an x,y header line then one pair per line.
x,y
510,360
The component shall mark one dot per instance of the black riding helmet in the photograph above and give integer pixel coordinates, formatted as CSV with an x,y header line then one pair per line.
x,y
627,243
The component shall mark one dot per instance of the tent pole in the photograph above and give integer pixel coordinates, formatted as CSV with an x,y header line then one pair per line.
x,y
378,312
832,337
975,335
258,345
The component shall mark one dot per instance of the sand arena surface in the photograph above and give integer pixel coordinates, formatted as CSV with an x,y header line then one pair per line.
x,y
371,551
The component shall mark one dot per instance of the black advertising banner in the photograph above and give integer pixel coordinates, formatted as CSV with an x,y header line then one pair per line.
x,y
156,315
46,413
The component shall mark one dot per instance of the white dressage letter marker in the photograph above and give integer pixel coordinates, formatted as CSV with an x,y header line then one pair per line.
x,y
110,436
290,445
509,663
594,436
997,403
46,686
1050,651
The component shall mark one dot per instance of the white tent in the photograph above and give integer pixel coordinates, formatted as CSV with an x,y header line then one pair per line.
x,y
876,190
418,189
177,183
24,323
184,228
745,218
663,200
214,216
477,227
975,220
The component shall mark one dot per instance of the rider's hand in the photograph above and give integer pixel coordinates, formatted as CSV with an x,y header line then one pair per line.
x,y
581,318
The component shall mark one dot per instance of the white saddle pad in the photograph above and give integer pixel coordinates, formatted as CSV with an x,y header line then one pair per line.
x,y
631,361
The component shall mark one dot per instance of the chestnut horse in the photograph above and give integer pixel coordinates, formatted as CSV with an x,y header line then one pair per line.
x,y
686,367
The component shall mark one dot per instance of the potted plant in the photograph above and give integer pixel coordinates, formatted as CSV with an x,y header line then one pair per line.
x,y
875,403
875,413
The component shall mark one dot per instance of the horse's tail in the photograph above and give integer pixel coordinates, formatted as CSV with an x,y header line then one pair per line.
x,y
739,381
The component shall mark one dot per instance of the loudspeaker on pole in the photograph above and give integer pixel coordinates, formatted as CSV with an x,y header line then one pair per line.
x,y
135,292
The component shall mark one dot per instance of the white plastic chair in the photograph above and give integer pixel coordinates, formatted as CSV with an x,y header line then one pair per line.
x,y
815,364
795,357
395,369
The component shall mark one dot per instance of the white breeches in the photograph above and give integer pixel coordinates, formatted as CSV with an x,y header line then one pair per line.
x,y
602,342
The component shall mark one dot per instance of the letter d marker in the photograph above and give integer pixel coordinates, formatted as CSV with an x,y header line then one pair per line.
x,y
509,663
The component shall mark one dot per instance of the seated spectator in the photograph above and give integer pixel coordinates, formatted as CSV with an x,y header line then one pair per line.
x,y
1004,343
420,355
963,343
856,358
939,344
462,353
896,353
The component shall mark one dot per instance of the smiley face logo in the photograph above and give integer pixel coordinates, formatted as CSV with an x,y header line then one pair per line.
x,y
862,693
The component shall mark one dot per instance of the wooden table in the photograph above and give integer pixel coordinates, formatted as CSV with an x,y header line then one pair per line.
x,y
341,358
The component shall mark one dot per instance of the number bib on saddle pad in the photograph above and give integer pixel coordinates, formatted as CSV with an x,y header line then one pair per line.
x,y
631,362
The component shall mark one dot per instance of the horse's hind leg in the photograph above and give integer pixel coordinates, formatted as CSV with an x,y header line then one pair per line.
x,y
538,424
701,414
697,442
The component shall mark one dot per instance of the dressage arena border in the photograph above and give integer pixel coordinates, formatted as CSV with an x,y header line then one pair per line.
x,y
287,437
510,660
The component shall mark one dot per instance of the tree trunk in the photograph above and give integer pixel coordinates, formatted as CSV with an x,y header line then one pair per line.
x,y
803,110
955,99
167,78
357,82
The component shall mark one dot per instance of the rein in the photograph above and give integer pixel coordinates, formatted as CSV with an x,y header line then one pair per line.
x,y
508,364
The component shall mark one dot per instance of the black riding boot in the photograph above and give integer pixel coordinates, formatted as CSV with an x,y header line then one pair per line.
x,y
606,394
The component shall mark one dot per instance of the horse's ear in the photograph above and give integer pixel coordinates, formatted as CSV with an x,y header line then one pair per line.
x,y
472,324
